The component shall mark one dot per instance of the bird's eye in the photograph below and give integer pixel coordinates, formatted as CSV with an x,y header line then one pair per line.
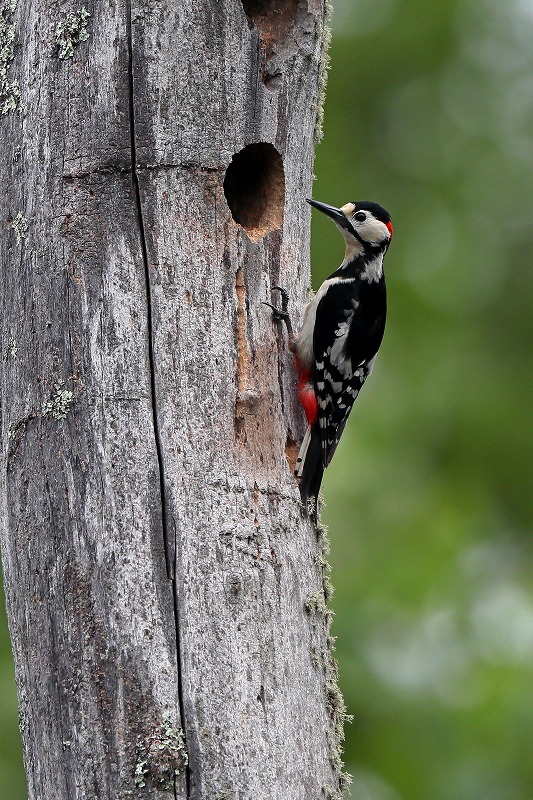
x,y
360,216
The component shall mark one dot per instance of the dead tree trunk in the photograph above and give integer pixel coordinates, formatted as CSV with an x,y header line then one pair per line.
x,y
165,593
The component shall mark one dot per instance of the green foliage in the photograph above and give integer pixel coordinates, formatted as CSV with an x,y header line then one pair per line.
x,y
429,505
12,779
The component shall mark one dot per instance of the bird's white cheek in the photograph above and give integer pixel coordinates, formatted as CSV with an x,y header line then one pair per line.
x,y
375,232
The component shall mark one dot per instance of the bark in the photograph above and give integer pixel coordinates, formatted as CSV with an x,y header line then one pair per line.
x,y
165,592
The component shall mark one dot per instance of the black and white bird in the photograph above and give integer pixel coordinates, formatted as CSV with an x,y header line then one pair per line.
x,y
341,331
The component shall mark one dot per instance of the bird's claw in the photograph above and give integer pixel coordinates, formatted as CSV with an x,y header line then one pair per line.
x,y
280,314
284,296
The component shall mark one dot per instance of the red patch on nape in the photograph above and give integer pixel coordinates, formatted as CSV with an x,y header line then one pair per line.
x,y
389,226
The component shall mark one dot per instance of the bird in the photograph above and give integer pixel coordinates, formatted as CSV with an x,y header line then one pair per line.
x,y
341,332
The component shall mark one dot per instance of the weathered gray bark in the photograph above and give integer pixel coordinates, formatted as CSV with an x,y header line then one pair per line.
x,y
160,575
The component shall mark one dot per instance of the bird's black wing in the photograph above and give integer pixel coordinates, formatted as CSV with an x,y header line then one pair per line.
x,y
344,352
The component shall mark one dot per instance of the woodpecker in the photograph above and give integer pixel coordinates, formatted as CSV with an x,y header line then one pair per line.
x,y
342,329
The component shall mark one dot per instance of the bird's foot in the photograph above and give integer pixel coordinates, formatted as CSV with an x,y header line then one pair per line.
x,y
280,314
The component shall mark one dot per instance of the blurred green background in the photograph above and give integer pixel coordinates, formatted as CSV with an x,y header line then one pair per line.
x,y
429,111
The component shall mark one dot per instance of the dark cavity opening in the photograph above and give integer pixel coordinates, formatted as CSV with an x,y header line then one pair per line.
x,y
254,187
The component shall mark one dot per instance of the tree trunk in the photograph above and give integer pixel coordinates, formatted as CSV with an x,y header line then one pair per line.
x,y
165,593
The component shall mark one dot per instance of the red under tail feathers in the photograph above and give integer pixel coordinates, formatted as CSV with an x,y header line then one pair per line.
x,y
306,392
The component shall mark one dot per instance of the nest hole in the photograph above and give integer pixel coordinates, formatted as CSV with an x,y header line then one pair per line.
x,y
254,187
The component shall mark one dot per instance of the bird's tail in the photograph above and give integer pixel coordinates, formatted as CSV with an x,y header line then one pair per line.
x,y
309,468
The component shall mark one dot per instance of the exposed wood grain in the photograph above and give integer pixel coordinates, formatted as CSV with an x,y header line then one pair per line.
x,y
158,566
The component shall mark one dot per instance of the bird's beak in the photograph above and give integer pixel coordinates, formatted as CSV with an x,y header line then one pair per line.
x,y
336,214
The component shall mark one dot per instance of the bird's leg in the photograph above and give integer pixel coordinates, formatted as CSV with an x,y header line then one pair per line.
x,y
282,314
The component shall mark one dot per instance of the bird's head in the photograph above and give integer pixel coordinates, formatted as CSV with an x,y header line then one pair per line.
x,y
364,225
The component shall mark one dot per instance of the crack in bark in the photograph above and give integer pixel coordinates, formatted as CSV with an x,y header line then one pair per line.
x,y
193,166
105,169
169,550
243,357
119,169
16,434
